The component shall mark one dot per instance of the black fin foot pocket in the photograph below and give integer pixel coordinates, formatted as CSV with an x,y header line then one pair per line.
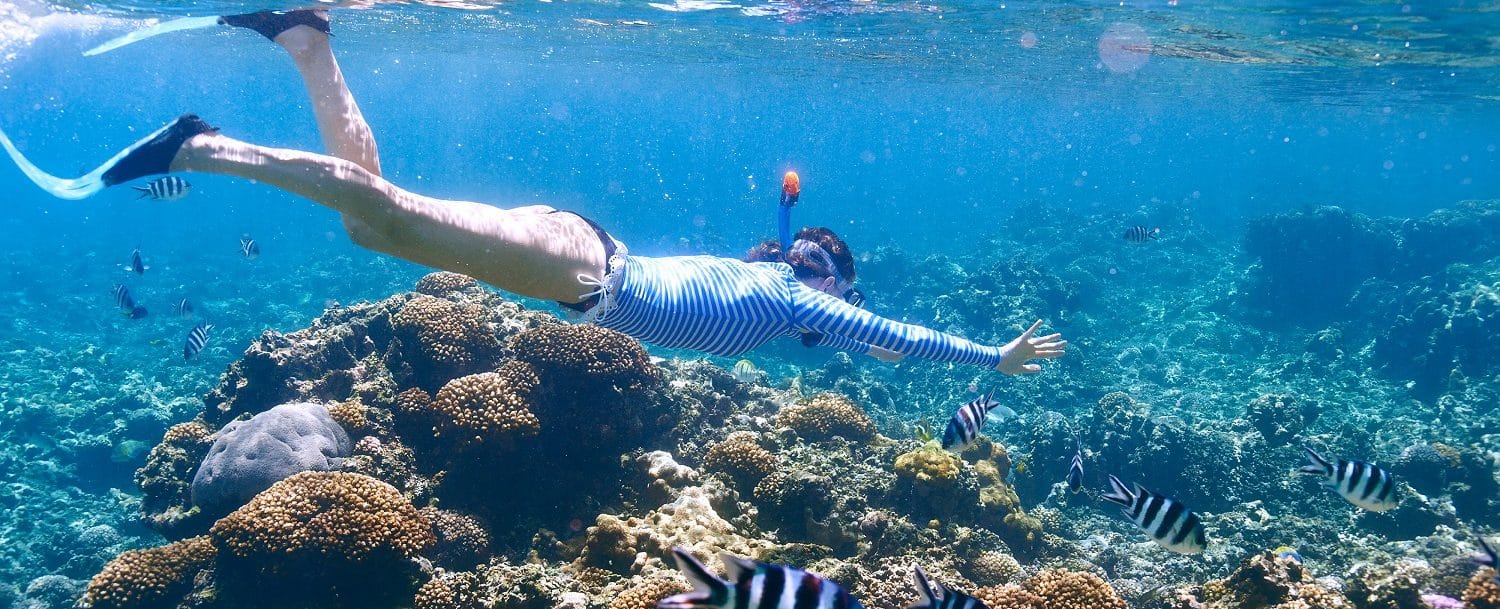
x,y
155,156
272,23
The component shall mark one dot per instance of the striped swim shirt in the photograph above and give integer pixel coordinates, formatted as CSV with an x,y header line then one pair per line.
x,y
727,307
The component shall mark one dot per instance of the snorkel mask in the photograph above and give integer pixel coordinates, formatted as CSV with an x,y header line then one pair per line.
x,y
840,285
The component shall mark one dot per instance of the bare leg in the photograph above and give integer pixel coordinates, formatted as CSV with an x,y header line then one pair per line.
x,y
346,135
527,253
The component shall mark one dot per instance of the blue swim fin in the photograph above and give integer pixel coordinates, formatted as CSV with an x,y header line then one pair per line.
x,y
165,27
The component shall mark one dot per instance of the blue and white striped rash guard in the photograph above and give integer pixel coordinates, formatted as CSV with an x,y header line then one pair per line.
x,y
726,307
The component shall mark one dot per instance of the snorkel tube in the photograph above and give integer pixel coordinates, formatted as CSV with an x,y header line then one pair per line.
x,y
791,189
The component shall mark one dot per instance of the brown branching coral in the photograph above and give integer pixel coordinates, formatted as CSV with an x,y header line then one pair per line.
x,y
826,415
1064,589
488,406
350,415
450,591
452,336
462,541
166,479
323,516
586,356
443,282
157,577
644,593
1483,591
741,458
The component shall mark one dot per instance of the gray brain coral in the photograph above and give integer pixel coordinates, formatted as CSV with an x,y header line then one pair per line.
x,y
250,456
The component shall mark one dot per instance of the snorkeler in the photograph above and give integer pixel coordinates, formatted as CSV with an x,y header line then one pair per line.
x,y
721,306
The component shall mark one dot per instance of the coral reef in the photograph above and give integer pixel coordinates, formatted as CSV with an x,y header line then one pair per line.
x,y
826,415
1483,591
143,579
440,283
460,541
452,337
487,407
249,456
742,458
1280,417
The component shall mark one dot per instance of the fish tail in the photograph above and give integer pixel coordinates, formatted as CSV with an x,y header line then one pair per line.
x,y
1119,494
1318,465
145,192
923,585
708,590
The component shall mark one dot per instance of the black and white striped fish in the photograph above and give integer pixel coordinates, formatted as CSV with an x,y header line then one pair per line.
x,y
1141,234
182,308
249,248
126,302
968,421
1488,558
136,265
1167,521
196,340
1359,483
1075,471
754,585
938,596
170,188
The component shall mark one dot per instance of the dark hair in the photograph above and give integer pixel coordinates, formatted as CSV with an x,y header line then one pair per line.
x,y
804,267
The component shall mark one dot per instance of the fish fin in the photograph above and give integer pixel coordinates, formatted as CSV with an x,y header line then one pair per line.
x,y
1119,494
145,192
1139,489
735,567
1489,558
999,414
702,580
923,585
1318,464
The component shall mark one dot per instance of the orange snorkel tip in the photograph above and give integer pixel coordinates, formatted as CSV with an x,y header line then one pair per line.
x,y
791,187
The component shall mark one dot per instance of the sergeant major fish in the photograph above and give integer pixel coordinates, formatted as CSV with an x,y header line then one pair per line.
x,y
1167,521
136,265
170,188
938,596
1141,234
754,584
196,340
1488,558
249,248
126,303
968,421
1075,470
1359,483
182,308
745,371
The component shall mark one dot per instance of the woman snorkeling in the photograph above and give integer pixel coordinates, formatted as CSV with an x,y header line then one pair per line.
x,y
721,306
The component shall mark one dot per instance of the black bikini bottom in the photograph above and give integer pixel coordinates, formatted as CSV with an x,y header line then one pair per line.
x,y
609,252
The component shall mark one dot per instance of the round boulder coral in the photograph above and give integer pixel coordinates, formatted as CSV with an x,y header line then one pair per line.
x,y
325,516
443,282
157,577
645,593
742,458
487,407
1064,589
450,336
587,358
826,415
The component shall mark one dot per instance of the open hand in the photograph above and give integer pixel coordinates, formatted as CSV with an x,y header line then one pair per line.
x,y
1027,347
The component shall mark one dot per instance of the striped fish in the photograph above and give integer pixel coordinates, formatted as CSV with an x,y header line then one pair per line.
x,y
745,371
170,188
182,308
1359,483
1075,471
1488,558
1141,234
938,596
136,265
249,248
754,585
196,340
126,302
1167,521
967,422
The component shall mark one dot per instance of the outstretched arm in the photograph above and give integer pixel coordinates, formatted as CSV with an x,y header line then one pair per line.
x,y
819,312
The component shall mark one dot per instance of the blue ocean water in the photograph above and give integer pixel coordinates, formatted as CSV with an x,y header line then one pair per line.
x,y
932,127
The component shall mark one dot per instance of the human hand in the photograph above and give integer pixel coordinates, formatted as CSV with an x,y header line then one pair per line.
x,y
1016,354
885,355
